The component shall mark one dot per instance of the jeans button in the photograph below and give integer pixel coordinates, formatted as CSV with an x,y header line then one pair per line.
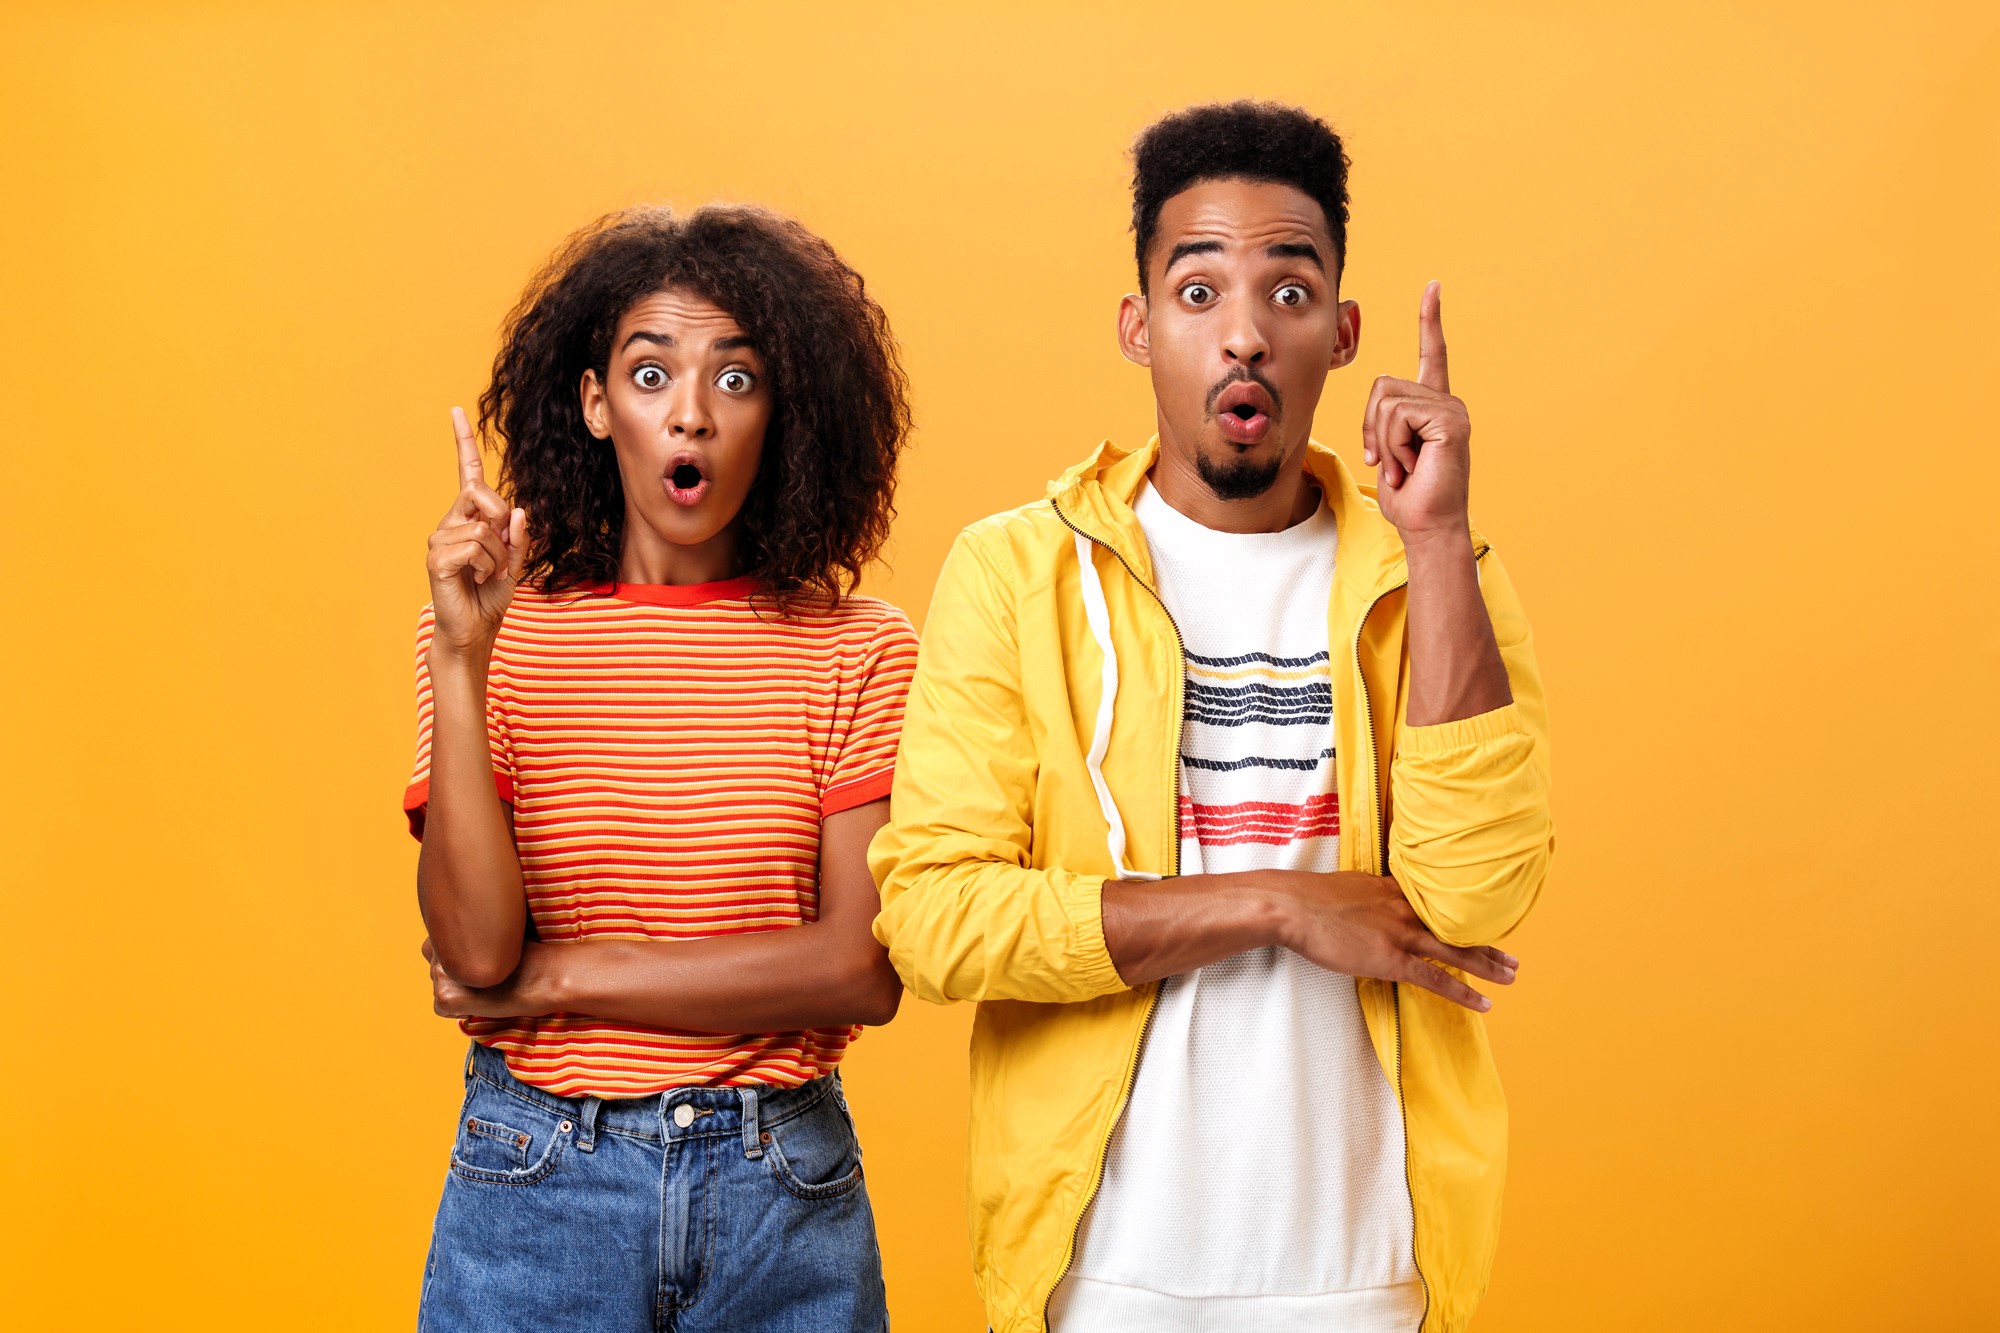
x,y
684,1115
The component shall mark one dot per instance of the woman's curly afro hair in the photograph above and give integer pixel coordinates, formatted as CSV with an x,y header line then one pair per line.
x,y
825,491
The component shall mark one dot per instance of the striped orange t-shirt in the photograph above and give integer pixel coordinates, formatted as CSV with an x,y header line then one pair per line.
x,y
669,753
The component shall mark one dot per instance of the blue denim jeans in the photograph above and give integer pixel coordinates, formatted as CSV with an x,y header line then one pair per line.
x,y
700,1210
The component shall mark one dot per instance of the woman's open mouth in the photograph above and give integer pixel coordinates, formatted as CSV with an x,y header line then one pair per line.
x,y
686,483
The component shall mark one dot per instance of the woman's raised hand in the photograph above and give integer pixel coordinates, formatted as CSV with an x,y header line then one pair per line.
x,y
476,555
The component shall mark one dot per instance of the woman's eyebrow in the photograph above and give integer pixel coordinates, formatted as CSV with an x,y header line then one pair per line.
x,y
647,336
732,342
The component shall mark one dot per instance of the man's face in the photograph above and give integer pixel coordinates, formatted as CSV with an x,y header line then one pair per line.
x,y
685,406
1240,325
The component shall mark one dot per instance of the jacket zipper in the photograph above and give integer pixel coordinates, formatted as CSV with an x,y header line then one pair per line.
x,y
1152,1001
1382,868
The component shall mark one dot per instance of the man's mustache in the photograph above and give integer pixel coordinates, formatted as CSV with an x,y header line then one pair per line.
x,y
1237,376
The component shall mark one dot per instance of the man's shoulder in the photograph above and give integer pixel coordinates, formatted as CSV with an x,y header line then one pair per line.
x,y
1023,532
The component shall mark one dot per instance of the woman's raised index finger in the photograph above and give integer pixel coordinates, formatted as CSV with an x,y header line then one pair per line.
x,y
471,467
1431,370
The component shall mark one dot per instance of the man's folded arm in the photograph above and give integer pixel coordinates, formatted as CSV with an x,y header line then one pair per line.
x,y
1471,838
965,916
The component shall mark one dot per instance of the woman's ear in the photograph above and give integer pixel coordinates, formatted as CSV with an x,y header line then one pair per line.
x,y
596,408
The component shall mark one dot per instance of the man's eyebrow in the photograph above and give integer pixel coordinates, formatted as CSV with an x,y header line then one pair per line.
x,y
1296,250
647,336
1186,248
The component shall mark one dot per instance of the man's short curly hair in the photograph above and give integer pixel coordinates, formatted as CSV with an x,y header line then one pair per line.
x,y
824,496
1259,141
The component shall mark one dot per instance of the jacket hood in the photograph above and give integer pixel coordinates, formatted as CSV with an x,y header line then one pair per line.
x,y
1097,496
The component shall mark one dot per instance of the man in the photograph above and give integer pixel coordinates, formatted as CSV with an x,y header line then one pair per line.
x,y
1221,777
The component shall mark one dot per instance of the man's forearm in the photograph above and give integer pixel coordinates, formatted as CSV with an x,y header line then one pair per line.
x,y
1160,929
1455,666
1344,921
807,976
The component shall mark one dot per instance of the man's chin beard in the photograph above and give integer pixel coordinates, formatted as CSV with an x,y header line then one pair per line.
x,y
1238,478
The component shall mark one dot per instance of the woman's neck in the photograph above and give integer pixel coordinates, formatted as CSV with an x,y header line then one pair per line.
x,y
646,557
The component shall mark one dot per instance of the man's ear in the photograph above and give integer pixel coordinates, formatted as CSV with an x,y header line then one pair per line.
x,y
1133,338
596,409
1347,341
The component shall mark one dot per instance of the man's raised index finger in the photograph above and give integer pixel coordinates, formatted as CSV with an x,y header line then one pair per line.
x,y
1431,371
471,467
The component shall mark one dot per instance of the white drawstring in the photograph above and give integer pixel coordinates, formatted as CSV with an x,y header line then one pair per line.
x,y
1099,616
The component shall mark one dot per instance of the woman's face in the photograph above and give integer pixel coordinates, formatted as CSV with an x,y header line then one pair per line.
x,y
685,405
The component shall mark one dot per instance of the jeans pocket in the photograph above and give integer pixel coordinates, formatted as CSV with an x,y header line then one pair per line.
x,y
815,1154
503,1140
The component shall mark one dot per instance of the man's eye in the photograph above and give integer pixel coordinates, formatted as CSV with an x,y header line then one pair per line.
x,y
1197,293
1292,293
650,377
736,381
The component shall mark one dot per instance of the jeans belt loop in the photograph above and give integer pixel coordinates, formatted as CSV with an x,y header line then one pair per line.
x,y
586,1123
753,1129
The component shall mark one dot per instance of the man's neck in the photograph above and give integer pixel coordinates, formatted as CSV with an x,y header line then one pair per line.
x,y
1290,500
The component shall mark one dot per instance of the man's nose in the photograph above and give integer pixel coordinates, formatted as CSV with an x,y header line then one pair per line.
x,y
1243,340
687,415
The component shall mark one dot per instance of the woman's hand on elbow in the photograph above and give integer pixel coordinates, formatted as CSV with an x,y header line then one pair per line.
x,y
517,992
472,968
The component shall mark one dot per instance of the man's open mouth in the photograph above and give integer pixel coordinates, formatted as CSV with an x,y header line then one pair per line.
x,y
1243,410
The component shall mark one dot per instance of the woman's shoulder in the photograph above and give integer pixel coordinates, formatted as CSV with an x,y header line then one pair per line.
x,y
859,617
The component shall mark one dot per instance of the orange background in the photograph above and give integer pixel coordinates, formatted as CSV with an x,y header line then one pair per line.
x,y
1719,281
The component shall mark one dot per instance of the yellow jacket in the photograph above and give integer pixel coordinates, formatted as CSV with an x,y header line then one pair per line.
x,y
1020,787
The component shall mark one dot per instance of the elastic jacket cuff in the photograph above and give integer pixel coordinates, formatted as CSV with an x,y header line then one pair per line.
x,y
1083,899
1467,732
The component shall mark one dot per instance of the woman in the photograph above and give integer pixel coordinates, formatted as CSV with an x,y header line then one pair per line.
x,y
656,735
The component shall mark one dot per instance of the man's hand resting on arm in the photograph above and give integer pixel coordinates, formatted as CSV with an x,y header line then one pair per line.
x,y
1346,922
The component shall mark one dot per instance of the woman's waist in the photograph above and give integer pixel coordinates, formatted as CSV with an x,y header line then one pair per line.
x,y
578,1055
711,1107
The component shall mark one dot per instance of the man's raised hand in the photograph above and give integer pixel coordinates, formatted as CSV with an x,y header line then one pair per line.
x,y
1418,437
476,554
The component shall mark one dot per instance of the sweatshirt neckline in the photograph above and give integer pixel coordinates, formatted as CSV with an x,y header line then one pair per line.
x,y
1313,532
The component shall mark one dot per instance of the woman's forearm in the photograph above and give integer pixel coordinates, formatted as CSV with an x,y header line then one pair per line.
x,y
468,873
822,974
828,972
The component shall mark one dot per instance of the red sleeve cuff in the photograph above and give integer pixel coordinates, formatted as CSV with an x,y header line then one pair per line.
x,y
417,797
857,791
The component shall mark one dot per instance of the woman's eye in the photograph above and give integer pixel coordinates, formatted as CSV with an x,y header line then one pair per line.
x,y
735,381
1292,293
1198,293
650,377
